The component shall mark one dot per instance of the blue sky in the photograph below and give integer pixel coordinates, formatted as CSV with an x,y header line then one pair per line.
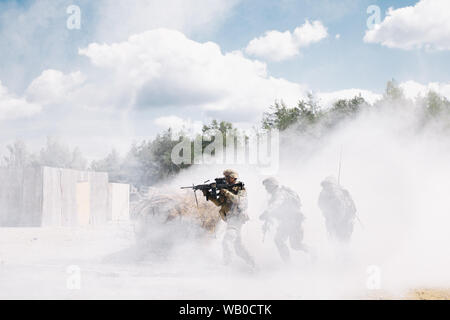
x,y
333,64
135,68
347,62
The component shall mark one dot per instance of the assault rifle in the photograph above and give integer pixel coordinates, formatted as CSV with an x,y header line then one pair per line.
x,y
213,189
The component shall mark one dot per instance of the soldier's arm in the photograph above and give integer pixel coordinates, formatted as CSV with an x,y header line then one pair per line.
x,y
350,202
275,204
324,202
235,198
218,202
239,199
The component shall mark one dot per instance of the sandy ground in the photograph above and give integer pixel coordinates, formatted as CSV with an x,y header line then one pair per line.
x,y
429,294
46,263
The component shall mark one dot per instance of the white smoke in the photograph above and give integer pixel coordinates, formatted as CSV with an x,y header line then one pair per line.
x,y
395,169
397,173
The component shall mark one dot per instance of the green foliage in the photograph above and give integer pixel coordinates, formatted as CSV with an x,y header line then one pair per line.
x,y
78,162
57,155
344,109
436,105
54,154
229,135
161,151
18,156
224,127
112,164
393,91
149,162
280,117
309,111
348,107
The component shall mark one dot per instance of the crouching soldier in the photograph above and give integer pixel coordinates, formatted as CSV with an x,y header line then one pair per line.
x,y
233,205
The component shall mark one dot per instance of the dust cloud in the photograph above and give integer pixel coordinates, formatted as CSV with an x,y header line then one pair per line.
x,y
396,170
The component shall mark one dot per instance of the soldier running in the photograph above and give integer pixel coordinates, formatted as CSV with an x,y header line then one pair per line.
x,y
233,205
338,209
284,208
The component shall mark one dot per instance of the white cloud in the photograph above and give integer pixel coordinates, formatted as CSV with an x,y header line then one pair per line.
x,y
52,86
178,124
327,99
12,107
413,89
152,75
163,68
121,18
159,77
34,29
310,33
425,25
277,46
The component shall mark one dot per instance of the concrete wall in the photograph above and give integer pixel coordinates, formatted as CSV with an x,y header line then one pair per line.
x,y
59,197
83,203
20,197
119,202
61,191
99,197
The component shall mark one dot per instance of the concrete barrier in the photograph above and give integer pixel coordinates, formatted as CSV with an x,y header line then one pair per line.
x,y
61,205
83,203
119,202
59,197
20,197
99,197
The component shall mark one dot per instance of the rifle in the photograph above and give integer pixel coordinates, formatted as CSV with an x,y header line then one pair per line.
x,y
214,188
267,224
265,229
339,183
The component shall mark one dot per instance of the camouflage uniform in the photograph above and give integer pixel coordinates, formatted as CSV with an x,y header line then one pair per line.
x,y
338,209
285,207
233,205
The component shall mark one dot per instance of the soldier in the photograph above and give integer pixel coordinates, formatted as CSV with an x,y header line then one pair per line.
x,y
338,209
285,208
233,206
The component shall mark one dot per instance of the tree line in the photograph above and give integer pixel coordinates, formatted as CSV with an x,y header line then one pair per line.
x,y
149,162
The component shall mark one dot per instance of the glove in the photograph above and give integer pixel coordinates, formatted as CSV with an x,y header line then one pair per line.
x,y
207,194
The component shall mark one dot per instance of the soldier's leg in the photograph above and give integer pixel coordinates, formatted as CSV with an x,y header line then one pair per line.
x,y
333,231
296,237
280,241
242,251
227,244
345,231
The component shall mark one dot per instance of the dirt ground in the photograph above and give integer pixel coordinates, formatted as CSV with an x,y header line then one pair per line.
x,y
39,264
428,294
